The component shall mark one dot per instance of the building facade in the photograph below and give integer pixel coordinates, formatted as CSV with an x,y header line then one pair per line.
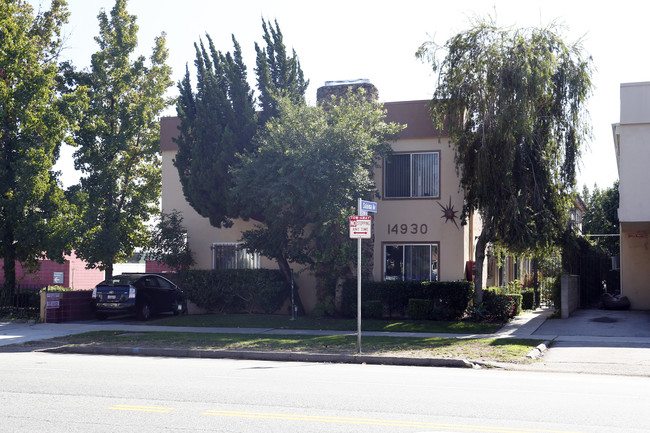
x,y
632,146
417,234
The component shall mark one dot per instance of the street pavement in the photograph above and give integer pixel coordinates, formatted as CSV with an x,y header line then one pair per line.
x,y
590,341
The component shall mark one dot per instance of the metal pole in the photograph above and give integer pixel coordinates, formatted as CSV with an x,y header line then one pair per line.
x,y
359,285
293,304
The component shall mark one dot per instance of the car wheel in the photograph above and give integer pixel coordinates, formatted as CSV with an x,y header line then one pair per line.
x,y
145,311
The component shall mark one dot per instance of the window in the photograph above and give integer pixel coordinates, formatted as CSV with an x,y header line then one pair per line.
x,y
230,256
411,262
412,175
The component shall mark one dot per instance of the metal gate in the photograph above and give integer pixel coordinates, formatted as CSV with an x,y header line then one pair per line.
x,y
593,272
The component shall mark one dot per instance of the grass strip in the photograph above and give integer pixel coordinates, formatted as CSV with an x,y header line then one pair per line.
x,y
483,349
312,323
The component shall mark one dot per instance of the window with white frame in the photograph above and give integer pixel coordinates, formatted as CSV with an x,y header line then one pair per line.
x,y
411,262
409,175
230,255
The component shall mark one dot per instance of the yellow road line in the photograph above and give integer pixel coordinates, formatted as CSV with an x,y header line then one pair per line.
x,y
377,422
141,408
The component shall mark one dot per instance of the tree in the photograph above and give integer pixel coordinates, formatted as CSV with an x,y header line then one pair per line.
x,y
513,102
217,123
601,217
311,166
34,121
168,242
278,75
118,153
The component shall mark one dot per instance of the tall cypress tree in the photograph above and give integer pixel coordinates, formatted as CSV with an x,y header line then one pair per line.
x,y
217,123
277,73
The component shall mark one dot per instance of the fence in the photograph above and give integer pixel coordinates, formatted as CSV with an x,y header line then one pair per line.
x,y
22,302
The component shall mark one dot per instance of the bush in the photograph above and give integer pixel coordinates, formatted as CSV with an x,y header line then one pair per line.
x,y
528,300
450,299
420,309
235,290
500,307
372,310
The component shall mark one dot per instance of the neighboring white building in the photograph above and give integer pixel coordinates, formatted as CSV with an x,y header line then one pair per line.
x,y
632,144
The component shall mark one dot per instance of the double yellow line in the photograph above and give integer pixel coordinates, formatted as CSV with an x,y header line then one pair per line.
x,y
375,422
130,408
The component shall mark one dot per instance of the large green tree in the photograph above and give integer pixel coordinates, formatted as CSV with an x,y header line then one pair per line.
x,y
34,120
303,183
601,217
513,102
278,74
118,153
217,123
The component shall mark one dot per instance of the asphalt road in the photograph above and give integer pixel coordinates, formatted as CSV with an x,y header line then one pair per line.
x,y
47,392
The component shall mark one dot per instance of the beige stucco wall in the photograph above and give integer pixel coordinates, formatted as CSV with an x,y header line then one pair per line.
x,y
632,144
201,235
635,264
422,216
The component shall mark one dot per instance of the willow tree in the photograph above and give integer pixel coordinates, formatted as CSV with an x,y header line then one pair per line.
x,y
513,102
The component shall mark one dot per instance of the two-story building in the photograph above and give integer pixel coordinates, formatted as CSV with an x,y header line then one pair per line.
x,y
417,231
632,145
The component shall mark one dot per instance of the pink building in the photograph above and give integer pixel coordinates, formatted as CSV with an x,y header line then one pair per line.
x,y
72,273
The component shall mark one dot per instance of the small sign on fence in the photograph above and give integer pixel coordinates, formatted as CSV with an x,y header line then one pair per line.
x,y
53,300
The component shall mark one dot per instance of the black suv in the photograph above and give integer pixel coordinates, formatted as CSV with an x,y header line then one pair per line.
x,y
140,294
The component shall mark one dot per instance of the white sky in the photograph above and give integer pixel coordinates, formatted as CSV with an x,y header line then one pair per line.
x,y
338,40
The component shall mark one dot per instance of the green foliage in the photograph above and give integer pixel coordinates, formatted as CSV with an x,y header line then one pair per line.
x,y
56,289
514,104
34,120
303,181
528,299
372,310
450,299
235,290
118,153
324,308
168,242
217,123
500,307
420,309
278,75
601,217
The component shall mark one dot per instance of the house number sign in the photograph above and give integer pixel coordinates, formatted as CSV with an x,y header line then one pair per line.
x,y
403,229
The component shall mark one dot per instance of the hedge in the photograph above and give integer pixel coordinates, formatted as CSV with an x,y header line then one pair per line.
x,y
235,290
449,299
499,306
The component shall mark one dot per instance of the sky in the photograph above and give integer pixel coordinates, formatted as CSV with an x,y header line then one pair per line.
x,y
343,40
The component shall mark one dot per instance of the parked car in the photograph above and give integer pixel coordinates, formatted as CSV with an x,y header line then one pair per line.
x,y
139,294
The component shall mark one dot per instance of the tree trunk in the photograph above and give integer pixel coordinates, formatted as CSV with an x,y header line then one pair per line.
x,y
481,245
108,273
9,266
285,269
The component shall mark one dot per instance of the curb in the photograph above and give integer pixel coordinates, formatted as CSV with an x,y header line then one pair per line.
x,y
539,350
265,356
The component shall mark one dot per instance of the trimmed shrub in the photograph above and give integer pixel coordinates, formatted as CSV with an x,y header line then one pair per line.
x,y
450,299
235,290
372,310
499,307
528,299
420,309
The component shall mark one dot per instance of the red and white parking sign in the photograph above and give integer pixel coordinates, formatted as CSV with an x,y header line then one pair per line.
x,y
360,227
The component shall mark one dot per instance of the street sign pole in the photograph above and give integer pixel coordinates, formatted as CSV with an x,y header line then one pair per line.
x,y
360,228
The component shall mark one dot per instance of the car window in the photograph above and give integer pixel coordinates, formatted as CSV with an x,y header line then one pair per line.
x,y
118,280
164,283
150,282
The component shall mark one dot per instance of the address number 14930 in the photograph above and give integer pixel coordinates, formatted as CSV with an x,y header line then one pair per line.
x,y
403,229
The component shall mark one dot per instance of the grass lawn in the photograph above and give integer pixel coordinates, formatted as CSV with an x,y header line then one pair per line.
x,y
482,349
308,322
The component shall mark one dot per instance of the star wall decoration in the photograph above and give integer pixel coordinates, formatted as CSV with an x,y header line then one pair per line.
x,y
448,213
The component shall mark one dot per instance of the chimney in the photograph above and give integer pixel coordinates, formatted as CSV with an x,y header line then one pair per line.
x,y
336,89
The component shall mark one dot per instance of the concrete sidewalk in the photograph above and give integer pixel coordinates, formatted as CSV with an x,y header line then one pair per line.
x,y
591,341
